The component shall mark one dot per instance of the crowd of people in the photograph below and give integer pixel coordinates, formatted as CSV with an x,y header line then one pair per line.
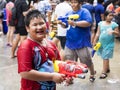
x,y
31,21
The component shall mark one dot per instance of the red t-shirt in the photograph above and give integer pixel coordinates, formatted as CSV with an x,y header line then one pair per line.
x,y
25,56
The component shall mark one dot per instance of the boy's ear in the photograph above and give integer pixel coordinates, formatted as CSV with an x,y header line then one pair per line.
x,y
27,28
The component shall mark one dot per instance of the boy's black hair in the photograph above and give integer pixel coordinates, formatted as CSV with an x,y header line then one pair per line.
x,y
79,1
32,14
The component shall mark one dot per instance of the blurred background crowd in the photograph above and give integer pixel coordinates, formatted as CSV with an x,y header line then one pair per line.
x,y
16,32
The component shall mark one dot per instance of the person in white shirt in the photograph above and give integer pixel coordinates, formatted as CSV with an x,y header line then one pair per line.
x,y
61,10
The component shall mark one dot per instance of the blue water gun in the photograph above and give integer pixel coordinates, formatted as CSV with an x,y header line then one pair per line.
x,y
70,17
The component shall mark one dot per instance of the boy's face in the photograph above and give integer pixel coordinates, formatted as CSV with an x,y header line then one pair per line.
x,y
37,29
75,5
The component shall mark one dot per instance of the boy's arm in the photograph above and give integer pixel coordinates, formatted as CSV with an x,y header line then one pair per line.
x,y
35,75
79,23
85,20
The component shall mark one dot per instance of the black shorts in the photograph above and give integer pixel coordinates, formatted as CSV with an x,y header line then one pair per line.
x,y
62,40
21,30
12,22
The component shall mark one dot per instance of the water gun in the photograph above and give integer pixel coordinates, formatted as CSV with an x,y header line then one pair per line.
x,y
52,34
70,68
70,17
95,48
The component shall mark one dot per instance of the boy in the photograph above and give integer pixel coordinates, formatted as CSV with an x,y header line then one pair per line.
x,y
78,37
34,53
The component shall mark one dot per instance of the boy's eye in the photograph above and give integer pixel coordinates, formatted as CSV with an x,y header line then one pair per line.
x,y
41,23
35,24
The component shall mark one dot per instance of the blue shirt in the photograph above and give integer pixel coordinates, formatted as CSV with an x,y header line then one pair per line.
x,y
99,9
89,7
79,37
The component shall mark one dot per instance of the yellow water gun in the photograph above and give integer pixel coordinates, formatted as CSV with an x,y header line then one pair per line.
x,y
52,35
95,48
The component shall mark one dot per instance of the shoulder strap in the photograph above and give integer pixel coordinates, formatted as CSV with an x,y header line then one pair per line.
x,y
37,58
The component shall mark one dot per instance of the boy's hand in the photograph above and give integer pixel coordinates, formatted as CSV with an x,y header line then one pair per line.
x,y
61,23
58,78
71,22
69,81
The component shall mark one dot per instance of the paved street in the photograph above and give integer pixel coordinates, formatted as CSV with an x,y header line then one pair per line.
x,y
10,80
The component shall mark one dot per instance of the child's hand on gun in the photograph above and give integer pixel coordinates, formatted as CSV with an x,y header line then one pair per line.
x,y
71,22
68,81
58,78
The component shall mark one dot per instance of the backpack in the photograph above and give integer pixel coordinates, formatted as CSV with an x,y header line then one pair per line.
x,y
45,67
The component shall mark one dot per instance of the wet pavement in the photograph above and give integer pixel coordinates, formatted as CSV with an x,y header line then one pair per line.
x,y
10,79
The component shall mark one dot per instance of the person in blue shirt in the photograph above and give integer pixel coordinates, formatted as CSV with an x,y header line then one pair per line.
x,y
99,13
89,6
78,37
105,35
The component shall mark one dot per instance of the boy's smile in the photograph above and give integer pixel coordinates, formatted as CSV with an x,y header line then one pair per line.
x,y
37,29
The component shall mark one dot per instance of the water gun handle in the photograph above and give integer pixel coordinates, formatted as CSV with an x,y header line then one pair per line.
x,y
52,35
95,48
93,52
